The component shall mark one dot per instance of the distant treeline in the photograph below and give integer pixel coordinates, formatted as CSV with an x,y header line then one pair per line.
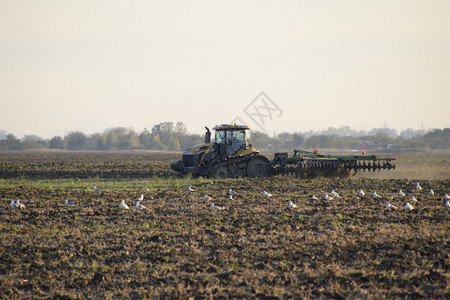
x,y
175,137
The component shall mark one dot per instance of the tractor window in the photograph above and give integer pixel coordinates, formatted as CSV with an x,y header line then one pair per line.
x,y
235,140
220,136
236,137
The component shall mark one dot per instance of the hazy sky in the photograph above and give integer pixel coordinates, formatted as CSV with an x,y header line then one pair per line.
x,y
91,65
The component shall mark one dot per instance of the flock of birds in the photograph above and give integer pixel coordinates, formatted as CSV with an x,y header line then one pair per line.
x,y
16,204
408,206
123,205
335,195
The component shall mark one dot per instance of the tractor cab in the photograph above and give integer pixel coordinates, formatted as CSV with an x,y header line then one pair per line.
x,y
230,139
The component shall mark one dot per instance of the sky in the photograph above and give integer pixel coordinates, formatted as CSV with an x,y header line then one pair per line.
x,y
277,66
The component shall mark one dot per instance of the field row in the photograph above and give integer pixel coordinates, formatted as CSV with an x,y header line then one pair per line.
x,y
349,247
142,165
72,165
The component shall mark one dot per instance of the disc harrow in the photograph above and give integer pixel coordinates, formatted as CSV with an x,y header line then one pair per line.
x,y
305,164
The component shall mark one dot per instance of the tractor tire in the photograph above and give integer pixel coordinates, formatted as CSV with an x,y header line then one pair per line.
x,y
258,166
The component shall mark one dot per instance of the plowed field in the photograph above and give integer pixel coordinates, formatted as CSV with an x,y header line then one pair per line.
x,y
256,247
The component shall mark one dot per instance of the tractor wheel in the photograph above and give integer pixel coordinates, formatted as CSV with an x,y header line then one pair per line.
x,y
218,171
258,166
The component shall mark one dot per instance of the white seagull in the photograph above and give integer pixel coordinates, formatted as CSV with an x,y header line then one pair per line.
x,y
147,189
96,188
413,199
447,203
17,204
313,197
400,193
266,194
190,189
326,197
231,197
68,203
123,205
409,206
446,197
292,205
431,192
333,193
231,192
139,205
375,195
141,197
418,187
388,205
217,207
361,192
206,197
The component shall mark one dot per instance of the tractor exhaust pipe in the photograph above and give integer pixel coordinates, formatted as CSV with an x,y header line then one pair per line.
x,y
207,136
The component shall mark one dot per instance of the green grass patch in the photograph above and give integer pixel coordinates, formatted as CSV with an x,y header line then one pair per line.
x,y
153,184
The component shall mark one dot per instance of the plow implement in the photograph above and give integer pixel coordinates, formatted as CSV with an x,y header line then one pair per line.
x,y
306,164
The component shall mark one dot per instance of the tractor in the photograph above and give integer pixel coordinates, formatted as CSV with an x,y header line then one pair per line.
x,y
231,156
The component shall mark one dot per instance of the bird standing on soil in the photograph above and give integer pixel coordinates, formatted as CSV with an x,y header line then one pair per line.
x,y
139,205
292,205
123,205
400,193
361,192
231,192
409,206
326,197
335,194
230,197
313,197
431,192
413,199
388,205
217,207
190,189
446,197
207,198
147,189
96,189
447,203
68,203
375,195
418,187
17,204
266,194
141,197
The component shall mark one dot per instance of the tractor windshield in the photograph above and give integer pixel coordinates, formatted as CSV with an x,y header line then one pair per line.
x,y
230,140
235,140
236,137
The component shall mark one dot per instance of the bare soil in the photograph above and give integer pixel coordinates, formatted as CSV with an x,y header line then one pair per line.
x,y
257,247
